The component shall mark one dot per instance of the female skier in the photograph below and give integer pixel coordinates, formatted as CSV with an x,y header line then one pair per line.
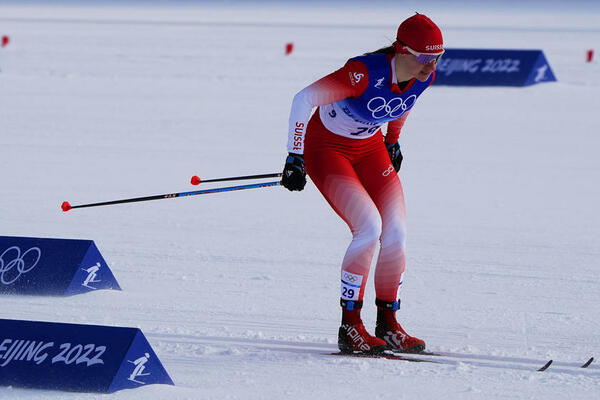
x,y
355,168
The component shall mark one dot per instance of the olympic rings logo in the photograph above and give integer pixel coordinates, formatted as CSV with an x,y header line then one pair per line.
x,y
380,108
20,263
350,278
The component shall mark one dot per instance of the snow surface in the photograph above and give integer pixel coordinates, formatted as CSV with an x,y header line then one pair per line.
x,y
238,292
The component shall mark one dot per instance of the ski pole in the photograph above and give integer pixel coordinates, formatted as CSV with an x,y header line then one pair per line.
x,y
196,180
66,206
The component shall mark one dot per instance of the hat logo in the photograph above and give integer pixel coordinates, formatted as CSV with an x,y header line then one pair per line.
x,y
430,47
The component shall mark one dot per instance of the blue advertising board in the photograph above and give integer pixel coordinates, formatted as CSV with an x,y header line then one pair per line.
x,y
486,67
52,266
74,357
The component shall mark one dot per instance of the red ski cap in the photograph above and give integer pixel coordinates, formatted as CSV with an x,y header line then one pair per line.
x,y
420,34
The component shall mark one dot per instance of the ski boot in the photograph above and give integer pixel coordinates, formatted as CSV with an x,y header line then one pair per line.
x,y
391,332
353,336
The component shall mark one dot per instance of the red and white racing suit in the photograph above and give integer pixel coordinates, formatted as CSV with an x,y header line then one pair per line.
x,y
347,160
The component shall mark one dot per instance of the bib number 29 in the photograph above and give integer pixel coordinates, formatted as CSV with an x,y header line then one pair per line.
x,y
351,284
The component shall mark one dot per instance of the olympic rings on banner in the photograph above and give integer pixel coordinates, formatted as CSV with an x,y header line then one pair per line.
x,y
21,262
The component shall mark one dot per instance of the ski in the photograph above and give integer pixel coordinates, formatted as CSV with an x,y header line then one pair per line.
x,y
497,359
475,360
385,355
587,363
546,366
415,357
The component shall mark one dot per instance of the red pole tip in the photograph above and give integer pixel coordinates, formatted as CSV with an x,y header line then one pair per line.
x,y
196,180
65,206
289,47
5,40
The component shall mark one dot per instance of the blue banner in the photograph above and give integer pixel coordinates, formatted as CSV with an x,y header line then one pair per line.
x,y
481,67
85,358
52,267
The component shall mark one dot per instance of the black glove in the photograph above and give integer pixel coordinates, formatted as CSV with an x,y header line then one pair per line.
x,y
294,174
395,155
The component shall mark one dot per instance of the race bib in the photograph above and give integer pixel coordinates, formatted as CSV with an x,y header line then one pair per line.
x,y
351,284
